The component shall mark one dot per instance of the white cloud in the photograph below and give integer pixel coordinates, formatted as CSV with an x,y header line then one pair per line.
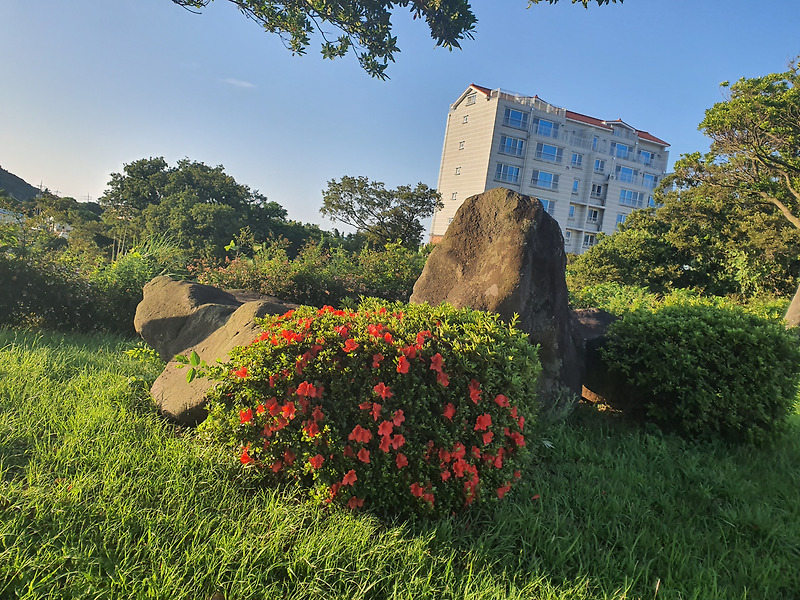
x,y
238,83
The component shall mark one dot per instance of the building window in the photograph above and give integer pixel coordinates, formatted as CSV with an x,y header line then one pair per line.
x,y
595,142
460,145
616,132
543,179
621,150
645,157
549,153
597,190
511,145
626,174
592,216
549,205
515,118
631,198
458,170
571,211
506,173
649,181
577,161
454,196
599,165
465,119
575,185
620,220
567,237
589,240
545,127
471,99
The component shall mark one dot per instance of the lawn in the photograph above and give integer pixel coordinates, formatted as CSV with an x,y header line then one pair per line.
x,y
101,499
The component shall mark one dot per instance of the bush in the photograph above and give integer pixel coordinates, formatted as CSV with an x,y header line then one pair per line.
x,y
706,371
319,275
402,409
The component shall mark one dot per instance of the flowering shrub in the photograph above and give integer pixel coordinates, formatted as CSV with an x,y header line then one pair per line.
x,y
398,408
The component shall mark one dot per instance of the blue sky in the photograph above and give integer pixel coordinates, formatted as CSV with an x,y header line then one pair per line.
x,y
88,85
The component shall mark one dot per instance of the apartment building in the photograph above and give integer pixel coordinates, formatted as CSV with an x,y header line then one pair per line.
x,y
588,173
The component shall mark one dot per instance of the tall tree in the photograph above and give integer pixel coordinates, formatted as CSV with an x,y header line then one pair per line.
x,y
755,148
380,215
363,25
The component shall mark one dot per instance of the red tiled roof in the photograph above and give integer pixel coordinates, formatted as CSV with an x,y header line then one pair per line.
x,y
483,90
647,136
586,119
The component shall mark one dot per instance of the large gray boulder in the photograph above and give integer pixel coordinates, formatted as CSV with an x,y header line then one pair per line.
x,y
793,312
178,317
503,253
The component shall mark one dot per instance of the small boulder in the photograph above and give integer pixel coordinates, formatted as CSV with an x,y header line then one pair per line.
x,y
178,317
503,253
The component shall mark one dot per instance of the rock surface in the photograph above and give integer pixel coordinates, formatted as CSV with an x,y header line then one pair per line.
x,y
176,317
503,253
591,325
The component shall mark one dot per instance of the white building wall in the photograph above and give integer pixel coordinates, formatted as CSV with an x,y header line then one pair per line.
x,y
474,148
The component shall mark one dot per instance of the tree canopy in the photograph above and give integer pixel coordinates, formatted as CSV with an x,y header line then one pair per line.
x,y
380,215
364,26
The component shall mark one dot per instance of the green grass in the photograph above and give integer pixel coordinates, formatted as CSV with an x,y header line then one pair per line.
x,y
100,499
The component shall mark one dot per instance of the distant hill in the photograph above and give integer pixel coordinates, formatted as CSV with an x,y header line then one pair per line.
x,y
16,186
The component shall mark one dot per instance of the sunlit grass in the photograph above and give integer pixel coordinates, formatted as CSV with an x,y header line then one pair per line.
x,y
100,499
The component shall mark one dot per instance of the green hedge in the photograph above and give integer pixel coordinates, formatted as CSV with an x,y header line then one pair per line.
x,y
705,371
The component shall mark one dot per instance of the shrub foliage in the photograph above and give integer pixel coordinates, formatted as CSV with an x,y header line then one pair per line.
x,y
402,409
706,371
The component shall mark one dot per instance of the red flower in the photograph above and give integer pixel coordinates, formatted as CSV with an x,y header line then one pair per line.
x,y
398,441
535,497
428,497
421,336
288,410
385,443
349,478
502,401
245,416
458,450
261,409
403,365
498,461
385,428
241,373
342,330
355,503
483,422
443,378
449,411
436,362
316,461
350,345
317,414
487,438
375,330
444,455
306,389
359,434
417,490
445,475
289,457
401,460
245,458
409,351
476,452
365,405
474,391
348,451
388,338
513,412
398,418
363,455
383,391
280,423
276,466
517,474
376,360
521,422
376,410
312,429
518,438
458,467
501,491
